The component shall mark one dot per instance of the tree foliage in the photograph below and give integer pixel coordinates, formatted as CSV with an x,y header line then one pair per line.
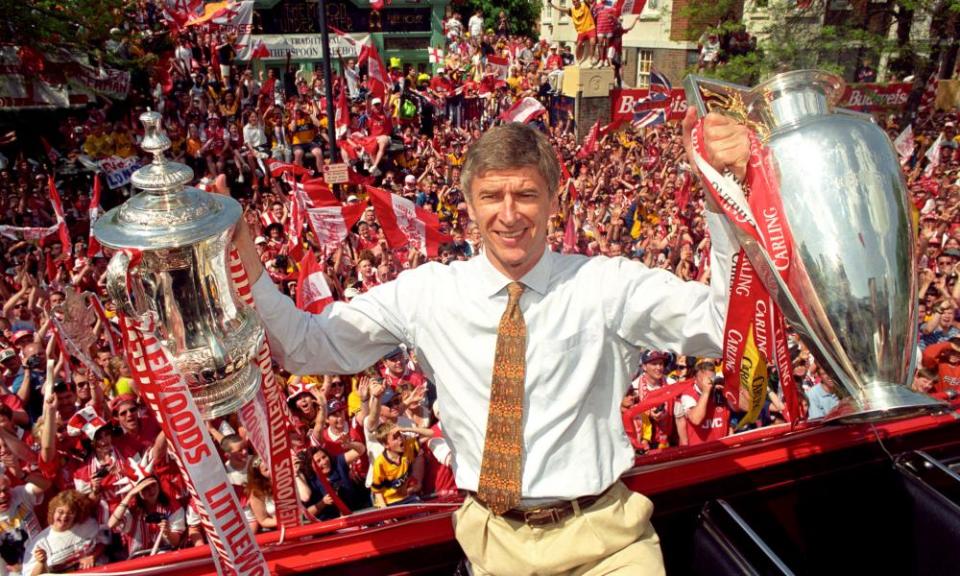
x,y
523,15
80,24
911,37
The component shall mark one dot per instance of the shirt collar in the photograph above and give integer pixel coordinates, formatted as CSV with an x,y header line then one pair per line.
x,y
537,279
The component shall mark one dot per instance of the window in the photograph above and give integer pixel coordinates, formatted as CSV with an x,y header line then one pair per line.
x,y
644,63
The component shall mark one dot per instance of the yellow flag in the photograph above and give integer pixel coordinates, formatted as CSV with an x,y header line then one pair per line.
x,y
753,380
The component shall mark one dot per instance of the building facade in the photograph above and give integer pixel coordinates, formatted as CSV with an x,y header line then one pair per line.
x,y
402,31
662,39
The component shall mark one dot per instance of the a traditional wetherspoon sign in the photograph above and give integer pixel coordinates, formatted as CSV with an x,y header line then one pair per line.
x,y
194,343
826,238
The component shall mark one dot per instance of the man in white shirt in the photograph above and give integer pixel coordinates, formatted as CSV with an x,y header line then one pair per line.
x,y
567,328
475,26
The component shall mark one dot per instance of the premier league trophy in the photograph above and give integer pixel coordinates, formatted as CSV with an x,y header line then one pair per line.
x,y
183,235
851,293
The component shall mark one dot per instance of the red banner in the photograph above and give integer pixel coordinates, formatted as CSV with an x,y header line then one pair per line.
x,y
875,97
623,103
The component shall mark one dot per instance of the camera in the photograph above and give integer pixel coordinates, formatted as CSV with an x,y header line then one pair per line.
x,y
155,517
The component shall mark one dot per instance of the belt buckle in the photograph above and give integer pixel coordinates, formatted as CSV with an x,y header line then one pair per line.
x,y
539,515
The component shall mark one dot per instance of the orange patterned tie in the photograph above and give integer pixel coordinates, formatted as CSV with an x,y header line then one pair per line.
x,y
502,468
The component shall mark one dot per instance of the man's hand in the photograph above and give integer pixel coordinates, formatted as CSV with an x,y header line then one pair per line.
x,y
727,142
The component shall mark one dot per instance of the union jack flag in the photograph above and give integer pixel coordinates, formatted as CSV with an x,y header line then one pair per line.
x,y
653,109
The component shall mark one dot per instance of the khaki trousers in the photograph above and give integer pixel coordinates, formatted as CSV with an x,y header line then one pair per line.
x,y
613,536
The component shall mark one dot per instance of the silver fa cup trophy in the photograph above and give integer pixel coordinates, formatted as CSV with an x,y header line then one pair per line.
x,y
183,276
852,291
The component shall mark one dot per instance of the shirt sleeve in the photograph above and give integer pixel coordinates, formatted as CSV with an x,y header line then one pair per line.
x,y
345,338
653,308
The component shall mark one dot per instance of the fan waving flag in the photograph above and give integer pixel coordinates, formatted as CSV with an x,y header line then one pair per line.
x,y
313,292
376,71
523,111
94,250
405,224
331,224
905,144
314,193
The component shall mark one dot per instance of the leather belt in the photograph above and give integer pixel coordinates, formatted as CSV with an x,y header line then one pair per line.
x,y
550,514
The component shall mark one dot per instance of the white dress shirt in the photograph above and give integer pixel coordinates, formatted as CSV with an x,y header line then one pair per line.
x,y
586,318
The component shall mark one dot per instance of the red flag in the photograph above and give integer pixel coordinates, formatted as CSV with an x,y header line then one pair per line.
x,y
590,142
94,249
52,153
260,51
314,193
523,111
294,240
376,71
313,292
342,118
500,65
61,221
277,168
631,6
405,224
570,236
331,224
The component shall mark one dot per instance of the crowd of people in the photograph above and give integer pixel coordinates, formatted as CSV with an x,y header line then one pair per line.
x,y
78,429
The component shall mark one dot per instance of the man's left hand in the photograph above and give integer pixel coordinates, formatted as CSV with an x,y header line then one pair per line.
x,y
727,142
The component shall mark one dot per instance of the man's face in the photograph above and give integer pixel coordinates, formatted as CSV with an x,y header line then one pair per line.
x,y
395,365
128,417
511,208
654,370
237,455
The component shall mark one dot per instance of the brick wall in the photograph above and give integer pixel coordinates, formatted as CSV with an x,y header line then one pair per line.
x,y
672,63
683,28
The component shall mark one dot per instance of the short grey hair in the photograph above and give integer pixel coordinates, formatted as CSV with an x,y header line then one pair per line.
x,y
509,146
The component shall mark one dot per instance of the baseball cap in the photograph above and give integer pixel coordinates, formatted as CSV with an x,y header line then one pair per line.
x,y
388,397
335,406
376,101
352,198
410,179
654,356
6,354
21,334
951,252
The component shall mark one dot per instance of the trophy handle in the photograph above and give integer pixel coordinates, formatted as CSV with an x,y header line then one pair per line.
x,y
708,95
117,274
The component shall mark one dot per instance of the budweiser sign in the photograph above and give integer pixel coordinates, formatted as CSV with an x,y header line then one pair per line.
x,y
875,97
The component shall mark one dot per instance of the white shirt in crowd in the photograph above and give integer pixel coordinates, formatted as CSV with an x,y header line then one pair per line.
x,y
65,548
587,320
475,25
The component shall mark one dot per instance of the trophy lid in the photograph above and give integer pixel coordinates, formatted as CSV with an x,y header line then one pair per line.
x,y
168,213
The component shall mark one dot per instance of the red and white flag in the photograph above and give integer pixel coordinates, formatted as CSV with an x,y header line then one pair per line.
x,y
590,142
52,153
313,292
905,144
314,193
278,168
376,71
342,118
632,6
61,221
405,224
435,55
499,66
523,111
331,224
94,250
928,101
259,51
933,156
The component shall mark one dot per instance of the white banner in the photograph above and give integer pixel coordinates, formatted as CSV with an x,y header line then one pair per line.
x,y
118,170
306,46
106,81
